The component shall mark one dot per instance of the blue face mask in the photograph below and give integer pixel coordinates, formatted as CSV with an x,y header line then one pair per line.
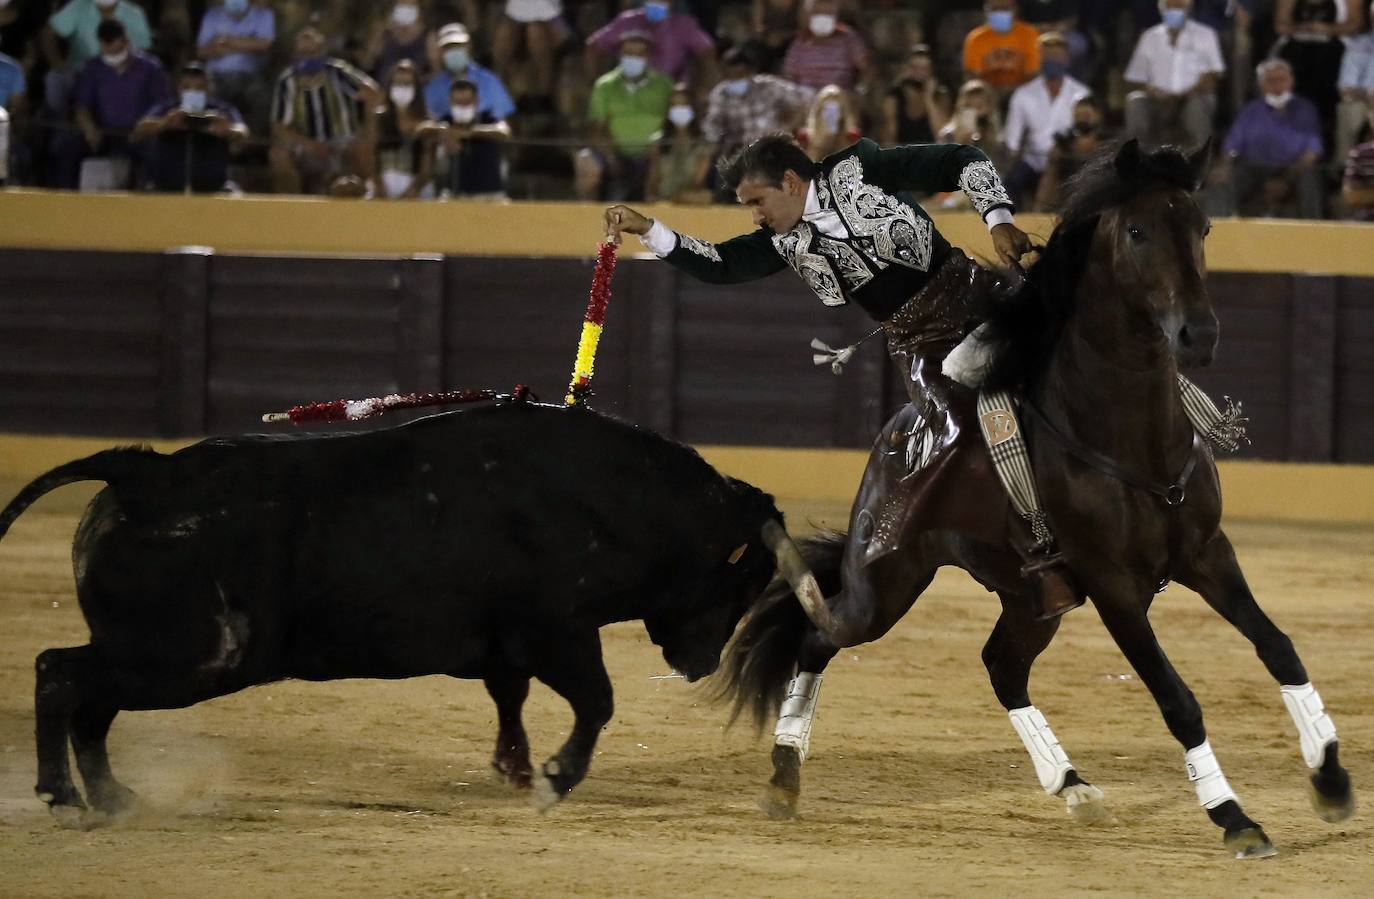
x,y
1175,18
456,60
313,66
236,7
1053,68
633,66
656,12
1000,21
737,87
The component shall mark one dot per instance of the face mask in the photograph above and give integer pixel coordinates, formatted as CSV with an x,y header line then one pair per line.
x,y
1278,101
236,8
312,66
1053,68
403,94
680,116
737,87
1000,21
114,60
633,66
456,59
656,12
1175,19
462,115
822,25
193,101
830,116
405,15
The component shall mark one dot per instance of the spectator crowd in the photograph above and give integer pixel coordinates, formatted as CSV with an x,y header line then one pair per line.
x,y
637,99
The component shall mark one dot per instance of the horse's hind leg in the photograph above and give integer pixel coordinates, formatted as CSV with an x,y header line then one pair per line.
x,y
1216,575
1129,627
792,736
512,758
1016,641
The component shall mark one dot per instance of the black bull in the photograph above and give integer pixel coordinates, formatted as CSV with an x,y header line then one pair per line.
x,y
491,543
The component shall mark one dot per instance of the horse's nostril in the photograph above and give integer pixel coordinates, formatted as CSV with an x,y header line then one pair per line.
x,y
1185,337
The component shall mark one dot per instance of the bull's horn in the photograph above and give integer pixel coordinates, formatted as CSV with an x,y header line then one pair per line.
x,y
794,568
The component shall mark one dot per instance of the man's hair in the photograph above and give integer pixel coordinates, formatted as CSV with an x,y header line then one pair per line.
x,y
767,159
110,30
1052,39
462,84
1273,62
195,68
742,55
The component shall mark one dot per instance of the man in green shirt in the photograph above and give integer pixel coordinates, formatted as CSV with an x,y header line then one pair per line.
x,y
627,108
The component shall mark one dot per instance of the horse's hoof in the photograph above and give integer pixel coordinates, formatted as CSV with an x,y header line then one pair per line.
x,y
545,795
779,804
519,778
1250,842
1086,804
1332,809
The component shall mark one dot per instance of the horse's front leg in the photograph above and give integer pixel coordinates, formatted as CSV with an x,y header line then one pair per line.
x,y
1124,616
1216,575
792,736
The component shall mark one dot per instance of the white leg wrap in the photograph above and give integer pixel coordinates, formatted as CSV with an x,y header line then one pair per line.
x,y
798,710
1051,763
1315,728
1205,772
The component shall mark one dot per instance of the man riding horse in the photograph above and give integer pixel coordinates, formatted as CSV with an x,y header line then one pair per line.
x,y
844,226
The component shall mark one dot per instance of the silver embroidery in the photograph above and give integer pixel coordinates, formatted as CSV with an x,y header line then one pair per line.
x,y
795,247
887,228
984,189
698,246
848,262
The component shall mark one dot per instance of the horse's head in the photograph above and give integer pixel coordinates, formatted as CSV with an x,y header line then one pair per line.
x,y
1154,241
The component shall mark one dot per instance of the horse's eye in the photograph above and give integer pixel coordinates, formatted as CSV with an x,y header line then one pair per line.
x,y
1206,229
1135,234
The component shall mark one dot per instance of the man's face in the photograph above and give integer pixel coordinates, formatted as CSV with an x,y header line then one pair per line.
x,y
309,44
1086,116
920,67
777,208
1000,6
193,83
634,48
463,96
114,47
824,8
1276,80
1178,4
1057,52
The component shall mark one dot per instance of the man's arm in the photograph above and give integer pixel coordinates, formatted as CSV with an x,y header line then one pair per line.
x,y
739,259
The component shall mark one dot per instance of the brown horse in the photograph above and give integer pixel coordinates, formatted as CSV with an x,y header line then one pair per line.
x,y
1093,340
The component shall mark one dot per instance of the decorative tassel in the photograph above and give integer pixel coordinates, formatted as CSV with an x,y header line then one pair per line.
x,y
1229,433
592,324
837,359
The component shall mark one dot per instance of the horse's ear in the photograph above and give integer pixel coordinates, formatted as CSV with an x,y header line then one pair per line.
x,y
1128,160
1199,161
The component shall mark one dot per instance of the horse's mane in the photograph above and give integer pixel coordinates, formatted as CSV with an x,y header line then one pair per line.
x,y
1026,321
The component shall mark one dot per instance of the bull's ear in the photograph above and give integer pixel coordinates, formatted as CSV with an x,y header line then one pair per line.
x,y
1128,160
1199,161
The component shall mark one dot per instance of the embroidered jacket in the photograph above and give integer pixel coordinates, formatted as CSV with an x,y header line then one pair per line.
x,y
891,247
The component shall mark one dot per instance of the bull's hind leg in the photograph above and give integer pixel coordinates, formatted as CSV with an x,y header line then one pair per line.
x,y
1016,641
792,736
90,723
1217,576
571,665
512,757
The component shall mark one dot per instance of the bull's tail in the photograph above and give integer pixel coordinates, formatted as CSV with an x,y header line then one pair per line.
x,y
107,465
762,658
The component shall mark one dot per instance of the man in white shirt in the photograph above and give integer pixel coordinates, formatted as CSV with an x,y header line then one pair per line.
x,y
1173,77
1040,109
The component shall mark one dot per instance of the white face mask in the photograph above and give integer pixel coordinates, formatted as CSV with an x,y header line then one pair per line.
x,y
680,115
737,87
822,25
114,60
193,101
405,15
462,115
1278,101
402,94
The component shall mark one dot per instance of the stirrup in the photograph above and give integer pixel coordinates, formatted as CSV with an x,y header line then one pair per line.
x,y
1056,591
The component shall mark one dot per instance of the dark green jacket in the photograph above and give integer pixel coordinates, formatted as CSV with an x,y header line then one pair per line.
x,y
892,246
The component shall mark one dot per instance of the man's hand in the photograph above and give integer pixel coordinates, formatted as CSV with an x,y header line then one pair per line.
x,y
623,218
1011,243
174,119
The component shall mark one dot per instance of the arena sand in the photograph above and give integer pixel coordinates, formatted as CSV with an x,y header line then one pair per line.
x,y
917,785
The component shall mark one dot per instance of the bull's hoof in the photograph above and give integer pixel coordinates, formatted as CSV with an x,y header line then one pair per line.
x,y
778,803
1085,804
113,799
1249,843
1331,809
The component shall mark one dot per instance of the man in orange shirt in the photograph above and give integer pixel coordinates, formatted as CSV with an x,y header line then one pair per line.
x,y
1004,52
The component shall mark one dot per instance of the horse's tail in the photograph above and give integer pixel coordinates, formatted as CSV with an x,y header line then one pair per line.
x,y
106,465
762,659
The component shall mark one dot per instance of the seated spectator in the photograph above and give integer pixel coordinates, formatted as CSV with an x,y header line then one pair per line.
x,y
1040,108
1062,18
1273,147
1357,189
193,137
456,55
112,93
322,123
12,83
536,24
916,108
402,36
680,158
976,122
1003,53
76,23
405,154
235,40
1071,151
774,24
747,105
831,125
825,51
679,42
1356,85
1310,39
1172,77
470,141
627,109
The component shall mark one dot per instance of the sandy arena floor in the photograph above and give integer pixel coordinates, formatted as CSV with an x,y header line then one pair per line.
x,y
917,784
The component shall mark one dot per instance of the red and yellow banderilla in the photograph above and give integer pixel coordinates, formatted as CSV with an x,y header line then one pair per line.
x,y
592,323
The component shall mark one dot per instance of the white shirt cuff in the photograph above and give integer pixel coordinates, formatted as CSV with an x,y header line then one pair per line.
x,y
999,216
659,239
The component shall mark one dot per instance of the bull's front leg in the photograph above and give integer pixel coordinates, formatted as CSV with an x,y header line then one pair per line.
x,y
571,666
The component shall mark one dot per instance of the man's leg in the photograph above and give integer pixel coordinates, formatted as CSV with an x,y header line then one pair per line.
x,y
1245,180
1139,116
286,175
1308,183
1198,117
588,172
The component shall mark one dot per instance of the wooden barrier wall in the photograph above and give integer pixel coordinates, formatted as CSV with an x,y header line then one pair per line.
x,y
191,342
